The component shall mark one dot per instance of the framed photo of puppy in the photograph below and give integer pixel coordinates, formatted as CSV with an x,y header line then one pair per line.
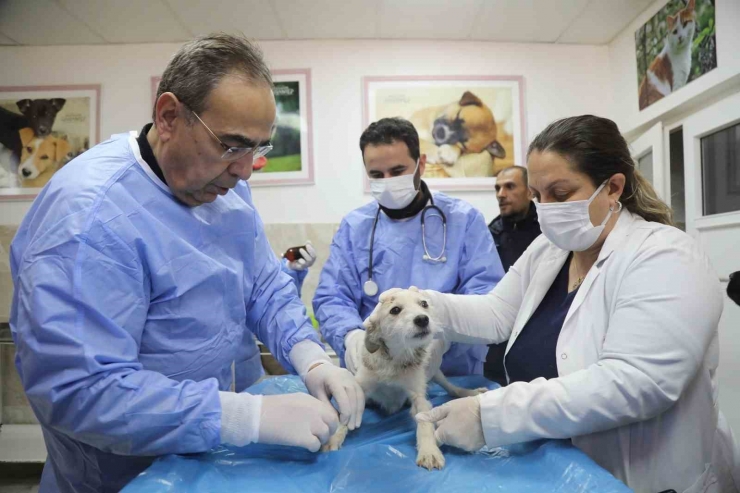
x,y
291,160
42,128
470,127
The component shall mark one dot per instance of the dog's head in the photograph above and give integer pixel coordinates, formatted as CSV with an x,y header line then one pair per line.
x,y
41,113
40,153
469,124
401,321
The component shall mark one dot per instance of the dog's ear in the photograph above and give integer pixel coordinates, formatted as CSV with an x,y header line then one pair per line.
x,y
468,99
372,331
23,105
62,149
27,134
496,150
414,289
58,103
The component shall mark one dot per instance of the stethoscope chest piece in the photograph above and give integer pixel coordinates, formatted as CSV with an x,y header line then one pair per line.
x,y
370,288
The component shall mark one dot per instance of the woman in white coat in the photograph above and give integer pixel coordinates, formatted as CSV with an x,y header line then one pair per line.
x,y
612,328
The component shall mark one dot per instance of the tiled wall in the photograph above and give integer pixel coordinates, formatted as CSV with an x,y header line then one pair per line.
x,y
6,284
15,407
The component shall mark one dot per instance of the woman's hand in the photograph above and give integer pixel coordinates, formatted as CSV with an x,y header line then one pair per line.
x,y
458,423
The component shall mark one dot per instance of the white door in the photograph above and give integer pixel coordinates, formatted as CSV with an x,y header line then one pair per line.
x,y
647,151
712,174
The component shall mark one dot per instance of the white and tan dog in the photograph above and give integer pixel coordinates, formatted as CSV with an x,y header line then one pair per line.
x,y
41,157
394,367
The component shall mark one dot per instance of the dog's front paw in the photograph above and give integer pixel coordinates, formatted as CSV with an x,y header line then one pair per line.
x,y
332,445
430,458
448,154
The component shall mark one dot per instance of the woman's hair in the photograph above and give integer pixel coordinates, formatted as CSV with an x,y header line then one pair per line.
x,y
594,147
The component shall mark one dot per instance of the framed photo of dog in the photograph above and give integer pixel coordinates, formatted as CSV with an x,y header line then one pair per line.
x,y
470,127
42,128
291,160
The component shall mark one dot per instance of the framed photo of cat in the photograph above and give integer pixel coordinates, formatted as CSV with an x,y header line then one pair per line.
x,y
470,127
675,47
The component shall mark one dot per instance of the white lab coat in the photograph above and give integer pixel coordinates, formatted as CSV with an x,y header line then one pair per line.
x,y
637,357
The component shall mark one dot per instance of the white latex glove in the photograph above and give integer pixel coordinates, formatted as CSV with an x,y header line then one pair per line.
x,y
297,420
458,423
326,380
309,258
353,343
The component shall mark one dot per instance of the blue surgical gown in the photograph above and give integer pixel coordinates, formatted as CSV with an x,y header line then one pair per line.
x,y
248,365
127,312
472,267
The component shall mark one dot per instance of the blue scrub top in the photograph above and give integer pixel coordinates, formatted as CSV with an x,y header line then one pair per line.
x,y
127,312
472,267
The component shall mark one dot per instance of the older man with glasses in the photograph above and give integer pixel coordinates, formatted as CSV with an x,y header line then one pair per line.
x,y
137,272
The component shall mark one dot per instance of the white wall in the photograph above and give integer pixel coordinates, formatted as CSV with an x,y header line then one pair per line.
x,y
700,92
716,91
560,81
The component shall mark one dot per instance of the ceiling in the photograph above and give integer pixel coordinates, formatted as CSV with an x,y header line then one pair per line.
x,y
65,22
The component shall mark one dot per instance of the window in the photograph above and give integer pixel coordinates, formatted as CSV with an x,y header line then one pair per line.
x,y
678,187
720,164
645,165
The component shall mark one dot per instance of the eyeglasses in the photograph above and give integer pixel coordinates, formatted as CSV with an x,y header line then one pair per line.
x,y
236,153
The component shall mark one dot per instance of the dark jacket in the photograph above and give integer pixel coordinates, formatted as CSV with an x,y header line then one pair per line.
x,y
511,239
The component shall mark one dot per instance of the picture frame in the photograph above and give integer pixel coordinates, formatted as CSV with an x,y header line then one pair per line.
x,y
291,160
42,128
470,127
667,60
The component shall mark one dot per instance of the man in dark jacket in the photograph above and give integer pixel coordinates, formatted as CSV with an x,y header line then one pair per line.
x,y
512,232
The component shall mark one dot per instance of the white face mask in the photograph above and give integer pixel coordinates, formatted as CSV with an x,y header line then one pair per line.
x,y
568,224
396,192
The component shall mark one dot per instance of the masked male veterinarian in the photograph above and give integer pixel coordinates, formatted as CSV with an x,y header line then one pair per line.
x,y
407,236
137,271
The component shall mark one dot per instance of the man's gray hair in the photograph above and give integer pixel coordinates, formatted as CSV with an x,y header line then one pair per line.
x,y
199,65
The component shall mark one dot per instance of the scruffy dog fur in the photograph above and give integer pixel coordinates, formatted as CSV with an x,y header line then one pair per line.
x,y
399,339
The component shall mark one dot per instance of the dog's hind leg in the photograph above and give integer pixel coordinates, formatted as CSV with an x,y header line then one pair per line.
x,y
428,453
454,390
336,440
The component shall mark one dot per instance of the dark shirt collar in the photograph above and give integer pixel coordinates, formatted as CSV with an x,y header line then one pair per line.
x,y
415,207
147,154
529,217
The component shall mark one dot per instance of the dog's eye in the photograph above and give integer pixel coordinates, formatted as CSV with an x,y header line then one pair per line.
x,y
45,156
424,304
395,310
29,149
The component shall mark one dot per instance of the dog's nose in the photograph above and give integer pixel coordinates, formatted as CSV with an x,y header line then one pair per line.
x,y
26,173
421,321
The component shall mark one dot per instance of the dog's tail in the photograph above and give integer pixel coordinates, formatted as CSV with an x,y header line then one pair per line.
x,y
454,390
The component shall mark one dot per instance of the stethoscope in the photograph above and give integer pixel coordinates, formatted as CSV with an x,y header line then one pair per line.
x,y
370,288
